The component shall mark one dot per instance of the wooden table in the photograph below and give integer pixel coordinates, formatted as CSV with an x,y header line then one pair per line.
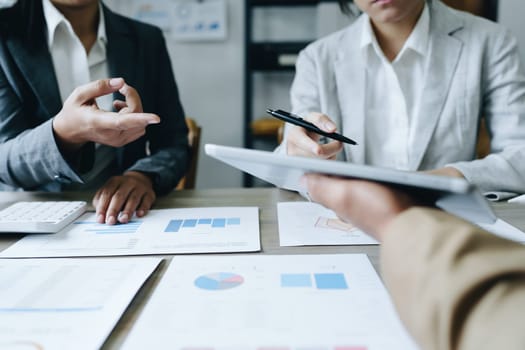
x,y
264,198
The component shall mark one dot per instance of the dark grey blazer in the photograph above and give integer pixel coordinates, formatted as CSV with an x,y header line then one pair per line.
x,y
30,98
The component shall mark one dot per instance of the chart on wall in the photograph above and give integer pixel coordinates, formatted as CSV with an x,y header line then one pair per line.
x,y
66,303
307,223
162,231
183,20
321,302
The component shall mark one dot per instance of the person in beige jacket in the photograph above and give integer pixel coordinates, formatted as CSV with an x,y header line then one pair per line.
x,y
454,285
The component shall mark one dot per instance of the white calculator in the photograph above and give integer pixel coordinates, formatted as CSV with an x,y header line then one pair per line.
x,y
40,217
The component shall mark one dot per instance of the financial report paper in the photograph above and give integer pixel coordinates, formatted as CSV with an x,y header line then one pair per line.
x,y
249,302
66,303
162,231
307,223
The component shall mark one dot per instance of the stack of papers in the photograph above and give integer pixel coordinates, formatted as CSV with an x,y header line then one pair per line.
x,y
165,231
66,303
307,223
270,302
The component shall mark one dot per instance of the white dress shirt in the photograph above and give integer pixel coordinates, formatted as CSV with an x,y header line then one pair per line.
x,y
393,90
75,67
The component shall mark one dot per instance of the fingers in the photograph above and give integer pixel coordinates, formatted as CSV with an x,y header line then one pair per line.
x,y
306,144
322,121
370,206
90,91
102,199
121,122
119,105
328,190
121,197
133,102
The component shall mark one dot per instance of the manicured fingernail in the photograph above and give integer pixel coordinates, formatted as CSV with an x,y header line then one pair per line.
x,y
115,82
329,125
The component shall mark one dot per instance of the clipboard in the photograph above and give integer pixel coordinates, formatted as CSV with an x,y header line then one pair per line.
x,y
454,195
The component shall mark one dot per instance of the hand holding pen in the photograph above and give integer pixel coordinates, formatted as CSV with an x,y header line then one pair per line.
x,y
304,135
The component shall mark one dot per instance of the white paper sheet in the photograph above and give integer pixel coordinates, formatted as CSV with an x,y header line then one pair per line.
x,y
163,231
518,199
306,223
270,302
66,303
505,230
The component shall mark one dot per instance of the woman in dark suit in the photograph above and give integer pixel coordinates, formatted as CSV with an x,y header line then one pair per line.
x,y
52,138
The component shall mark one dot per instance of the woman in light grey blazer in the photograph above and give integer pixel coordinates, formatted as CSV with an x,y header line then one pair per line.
x,y
409,80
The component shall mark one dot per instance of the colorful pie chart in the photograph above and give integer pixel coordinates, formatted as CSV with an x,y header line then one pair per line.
x,y
219,281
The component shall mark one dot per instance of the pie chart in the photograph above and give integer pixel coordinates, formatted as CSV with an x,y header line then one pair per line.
x,y
219,281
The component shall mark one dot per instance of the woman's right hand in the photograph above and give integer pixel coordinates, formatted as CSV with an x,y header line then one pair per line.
x,y
301,142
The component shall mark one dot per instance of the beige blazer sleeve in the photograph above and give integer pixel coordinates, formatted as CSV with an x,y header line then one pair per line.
x,y
454,285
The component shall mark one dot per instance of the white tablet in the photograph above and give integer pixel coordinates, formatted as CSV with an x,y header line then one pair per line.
x,y
454,195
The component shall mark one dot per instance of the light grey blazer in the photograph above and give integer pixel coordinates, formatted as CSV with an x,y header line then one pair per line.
x,y
474,70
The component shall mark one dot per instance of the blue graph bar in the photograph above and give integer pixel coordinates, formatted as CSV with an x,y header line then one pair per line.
x,y
219,223
234,221
180,224
190,223
330,281
296,280
173,226
130,227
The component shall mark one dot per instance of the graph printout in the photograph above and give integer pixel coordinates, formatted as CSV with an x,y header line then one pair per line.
x,y
163,231
287,302
306,223
66,303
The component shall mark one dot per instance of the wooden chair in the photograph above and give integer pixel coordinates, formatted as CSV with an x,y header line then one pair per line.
x,y
194,137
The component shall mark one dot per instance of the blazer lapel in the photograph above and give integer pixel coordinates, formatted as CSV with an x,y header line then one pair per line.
x,y
444,54
121,49
28,47
122,57
350,77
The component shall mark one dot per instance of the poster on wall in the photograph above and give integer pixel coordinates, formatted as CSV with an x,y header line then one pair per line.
x,y
156,12
199,20
183,20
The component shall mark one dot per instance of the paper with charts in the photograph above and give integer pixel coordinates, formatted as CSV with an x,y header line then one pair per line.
x,y
66,303
307,223
163,231
288,302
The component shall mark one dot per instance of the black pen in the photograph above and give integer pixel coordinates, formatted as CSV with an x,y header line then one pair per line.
x,y
296,120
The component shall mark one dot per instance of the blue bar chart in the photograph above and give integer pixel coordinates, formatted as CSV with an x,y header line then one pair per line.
x,y
103,229
322,280
179,225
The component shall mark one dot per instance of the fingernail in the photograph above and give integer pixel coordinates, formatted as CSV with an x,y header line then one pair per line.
x,y
100,218
111,220
115,82
153,121
124,218
329,125
140,213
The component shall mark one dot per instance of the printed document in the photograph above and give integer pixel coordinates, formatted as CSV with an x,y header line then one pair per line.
x,y
163,231
66,303
270,302
307,223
